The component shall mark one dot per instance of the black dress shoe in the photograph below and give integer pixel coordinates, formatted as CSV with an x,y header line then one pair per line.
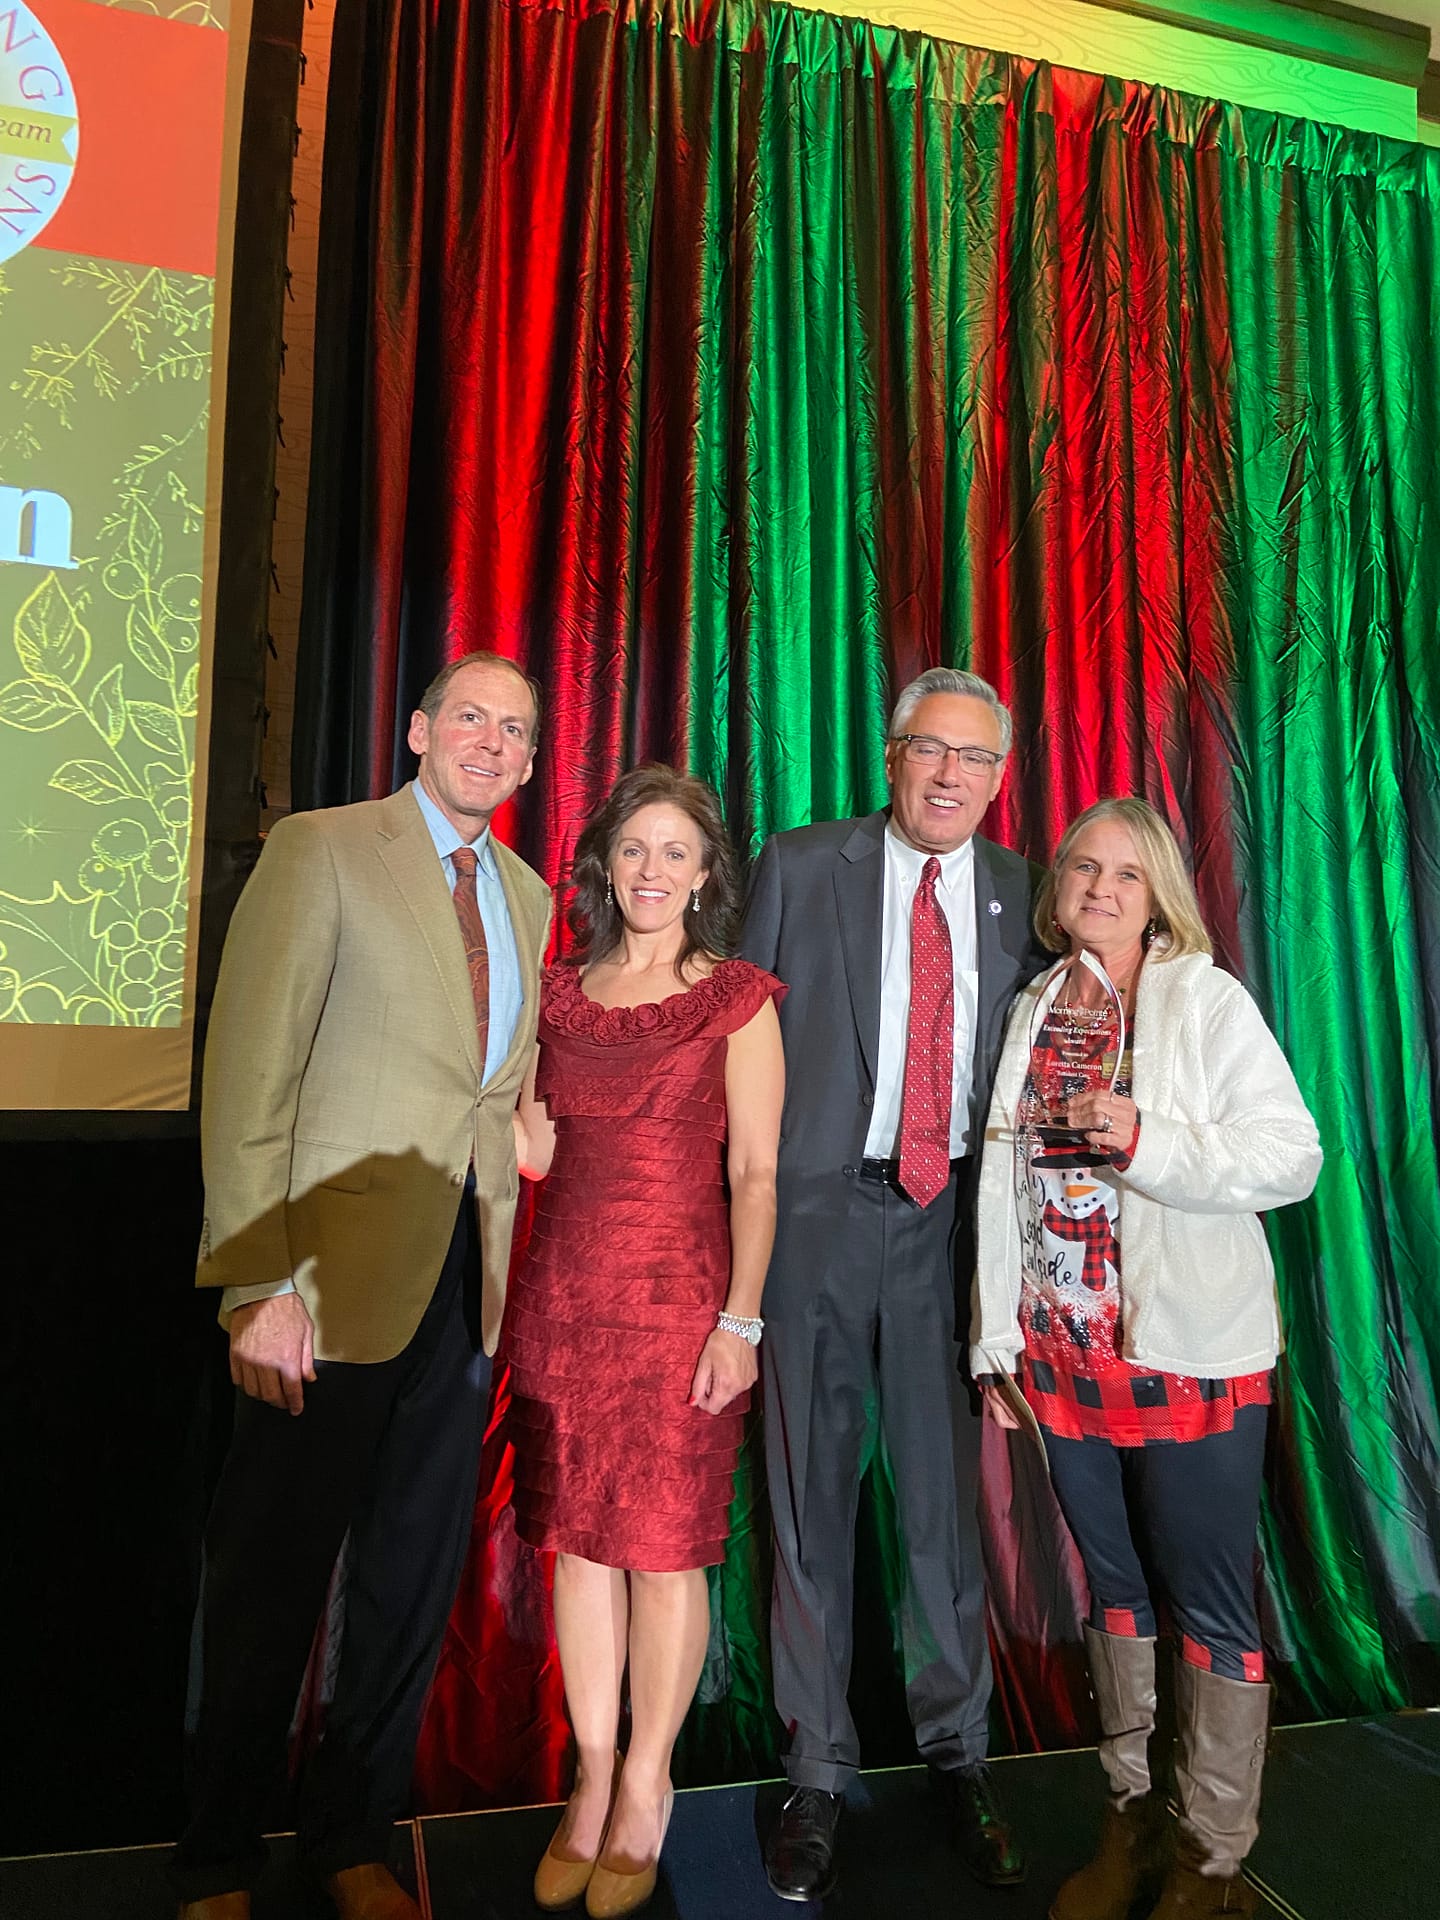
x,y
800,1853
982,1833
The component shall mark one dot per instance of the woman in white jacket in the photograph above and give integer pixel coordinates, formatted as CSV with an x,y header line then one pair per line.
x,y
1143,1115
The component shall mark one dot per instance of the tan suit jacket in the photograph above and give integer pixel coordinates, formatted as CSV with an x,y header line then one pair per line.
x,y
342,1098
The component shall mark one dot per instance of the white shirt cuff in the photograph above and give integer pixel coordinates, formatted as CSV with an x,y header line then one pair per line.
x,y
234,1297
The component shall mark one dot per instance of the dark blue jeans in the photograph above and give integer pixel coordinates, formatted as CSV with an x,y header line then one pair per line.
x,y
1173,1522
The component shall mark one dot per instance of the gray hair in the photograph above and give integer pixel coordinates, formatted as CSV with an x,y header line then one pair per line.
x,y
950,680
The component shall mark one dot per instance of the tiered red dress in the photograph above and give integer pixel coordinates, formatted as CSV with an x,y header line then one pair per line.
x,y
628,1263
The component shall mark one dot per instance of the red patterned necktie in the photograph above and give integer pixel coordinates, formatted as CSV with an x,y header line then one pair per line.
x,y
472,931
929,1048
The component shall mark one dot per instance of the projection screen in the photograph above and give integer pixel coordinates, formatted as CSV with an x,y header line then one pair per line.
x,y
119,136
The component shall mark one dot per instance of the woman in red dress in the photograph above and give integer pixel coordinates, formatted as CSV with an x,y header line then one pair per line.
x,y
654,1108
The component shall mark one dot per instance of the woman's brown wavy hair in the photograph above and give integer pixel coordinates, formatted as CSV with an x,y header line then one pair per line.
x,y
596,921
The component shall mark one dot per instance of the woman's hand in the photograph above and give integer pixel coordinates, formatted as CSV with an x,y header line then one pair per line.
x,y
1107,1120
727,1366
534,1129
997,1407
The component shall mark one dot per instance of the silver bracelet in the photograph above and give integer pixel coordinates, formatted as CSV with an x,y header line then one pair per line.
x,y
747,1330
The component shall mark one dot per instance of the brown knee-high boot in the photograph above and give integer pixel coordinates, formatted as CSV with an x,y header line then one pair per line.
x,y
1219,1760
1128,1863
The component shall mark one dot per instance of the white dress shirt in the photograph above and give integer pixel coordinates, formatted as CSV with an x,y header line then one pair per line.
x,y
956,893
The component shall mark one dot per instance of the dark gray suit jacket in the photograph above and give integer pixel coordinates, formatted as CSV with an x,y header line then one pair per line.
x,y
815,919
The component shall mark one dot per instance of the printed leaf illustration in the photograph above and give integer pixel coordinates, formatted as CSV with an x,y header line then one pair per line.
x,y
94,879
35,706
157,727
90,780
50,640
141,638
107,706
145,538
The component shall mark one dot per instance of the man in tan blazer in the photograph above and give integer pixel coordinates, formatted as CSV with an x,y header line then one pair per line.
x,y
376,1006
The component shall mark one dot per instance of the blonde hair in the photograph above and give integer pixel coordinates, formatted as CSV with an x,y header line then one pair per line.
x,y
1174,909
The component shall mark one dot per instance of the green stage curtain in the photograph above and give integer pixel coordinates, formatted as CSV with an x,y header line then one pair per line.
x,y
727,364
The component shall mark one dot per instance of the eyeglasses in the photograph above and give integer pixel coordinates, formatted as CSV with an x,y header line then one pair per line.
x,y
926,751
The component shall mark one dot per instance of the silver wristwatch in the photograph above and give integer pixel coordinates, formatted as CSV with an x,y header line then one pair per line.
x,y
747,1330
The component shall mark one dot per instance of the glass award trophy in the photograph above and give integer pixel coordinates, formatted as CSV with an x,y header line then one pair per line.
x,y
1087,1045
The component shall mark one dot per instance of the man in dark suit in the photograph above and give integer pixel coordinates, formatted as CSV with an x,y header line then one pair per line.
x,y
903,939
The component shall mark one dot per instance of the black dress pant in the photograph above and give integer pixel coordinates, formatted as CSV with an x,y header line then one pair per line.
x,y
1175,1521
389,1454
870,1325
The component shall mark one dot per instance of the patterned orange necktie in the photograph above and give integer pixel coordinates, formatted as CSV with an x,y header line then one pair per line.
x,y
472,931
929,1048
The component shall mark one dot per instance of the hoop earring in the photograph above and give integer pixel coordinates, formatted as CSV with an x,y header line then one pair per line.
x,y
609,893
695,900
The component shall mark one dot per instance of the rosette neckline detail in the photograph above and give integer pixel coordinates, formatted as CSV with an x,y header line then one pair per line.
x,y
569,1008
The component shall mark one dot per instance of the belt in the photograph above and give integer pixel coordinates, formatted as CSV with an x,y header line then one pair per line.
x,y
887,1172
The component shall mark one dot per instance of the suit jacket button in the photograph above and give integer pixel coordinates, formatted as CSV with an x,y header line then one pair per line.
x,y
867,1099
457,1179
849,1172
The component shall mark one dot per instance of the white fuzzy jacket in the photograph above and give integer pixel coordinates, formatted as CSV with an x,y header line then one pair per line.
x,y
1223,1133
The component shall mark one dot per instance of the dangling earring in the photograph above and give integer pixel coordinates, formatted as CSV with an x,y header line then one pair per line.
x,y
1152,927
695,900
609,892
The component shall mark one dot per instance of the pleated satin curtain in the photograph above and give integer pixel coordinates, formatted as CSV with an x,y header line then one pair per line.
x,y
727,364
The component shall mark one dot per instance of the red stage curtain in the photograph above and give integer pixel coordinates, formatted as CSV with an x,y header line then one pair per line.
x,y
726,364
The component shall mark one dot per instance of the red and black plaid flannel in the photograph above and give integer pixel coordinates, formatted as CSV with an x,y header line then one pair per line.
x,y
1132,1408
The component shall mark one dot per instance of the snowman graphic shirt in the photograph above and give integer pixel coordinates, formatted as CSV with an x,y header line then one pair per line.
x,y
1075,1375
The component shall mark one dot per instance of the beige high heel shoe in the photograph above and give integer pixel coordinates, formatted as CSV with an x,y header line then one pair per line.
x,y
611,1894
560,1882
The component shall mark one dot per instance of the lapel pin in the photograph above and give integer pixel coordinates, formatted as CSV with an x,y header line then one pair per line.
x,y
995,906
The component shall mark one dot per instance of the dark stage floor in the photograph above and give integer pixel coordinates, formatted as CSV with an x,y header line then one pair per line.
x,y
1352,1832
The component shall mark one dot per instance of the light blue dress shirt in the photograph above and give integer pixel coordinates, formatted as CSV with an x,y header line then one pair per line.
x,y
507,990
507,993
